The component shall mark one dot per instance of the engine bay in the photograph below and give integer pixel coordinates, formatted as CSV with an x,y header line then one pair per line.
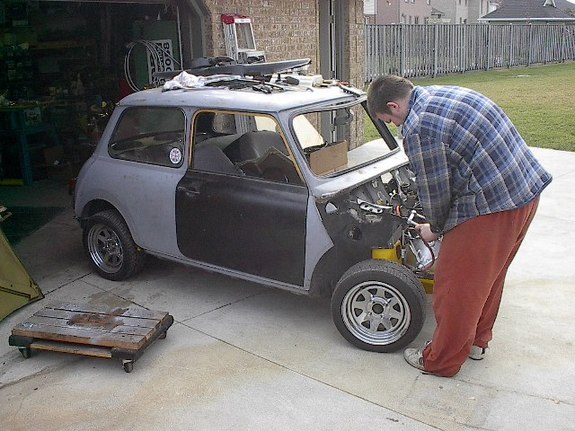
x,y
395,194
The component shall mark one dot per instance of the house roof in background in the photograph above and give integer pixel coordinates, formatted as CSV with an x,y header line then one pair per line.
x,y
530,10
565,6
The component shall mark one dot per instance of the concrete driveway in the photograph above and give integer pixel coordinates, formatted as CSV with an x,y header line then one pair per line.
x,y
243,357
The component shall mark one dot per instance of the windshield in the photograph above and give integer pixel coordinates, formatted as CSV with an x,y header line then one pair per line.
x,y
342,138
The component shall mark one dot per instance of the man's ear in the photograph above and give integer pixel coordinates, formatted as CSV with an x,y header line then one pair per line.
x,y
392,105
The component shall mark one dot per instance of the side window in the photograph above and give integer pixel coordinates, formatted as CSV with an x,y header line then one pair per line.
x,y
242,144
150,135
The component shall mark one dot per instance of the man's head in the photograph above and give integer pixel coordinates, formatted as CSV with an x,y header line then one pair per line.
x,y
388,98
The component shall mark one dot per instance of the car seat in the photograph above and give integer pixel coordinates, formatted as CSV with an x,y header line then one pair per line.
x,y
252,145
211,158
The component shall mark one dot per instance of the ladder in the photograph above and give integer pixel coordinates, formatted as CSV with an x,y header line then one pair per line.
x,y
239,39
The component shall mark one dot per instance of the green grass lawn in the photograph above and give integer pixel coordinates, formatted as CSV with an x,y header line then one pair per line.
x,y
540,100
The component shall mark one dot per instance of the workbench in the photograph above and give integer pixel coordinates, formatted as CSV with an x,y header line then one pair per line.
x,y
92,330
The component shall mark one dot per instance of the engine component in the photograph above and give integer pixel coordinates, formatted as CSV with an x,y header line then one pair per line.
x,y
423,255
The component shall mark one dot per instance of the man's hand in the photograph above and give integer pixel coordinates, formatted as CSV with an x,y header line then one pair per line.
x,y
424,231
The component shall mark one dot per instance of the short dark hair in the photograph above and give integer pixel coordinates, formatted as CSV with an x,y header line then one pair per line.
x,y
385,89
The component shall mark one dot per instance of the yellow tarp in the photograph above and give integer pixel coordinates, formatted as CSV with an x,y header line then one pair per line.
x,y
16,286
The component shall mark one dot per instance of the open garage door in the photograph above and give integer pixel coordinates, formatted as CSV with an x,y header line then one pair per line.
x,y
107,28
64,64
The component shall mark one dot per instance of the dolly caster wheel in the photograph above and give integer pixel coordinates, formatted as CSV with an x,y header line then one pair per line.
x,y
25,351
128,366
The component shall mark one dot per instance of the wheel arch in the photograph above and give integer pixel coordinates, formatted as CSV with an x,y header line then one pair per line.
x,y
98,205
331,267
95,206
353,240
108,242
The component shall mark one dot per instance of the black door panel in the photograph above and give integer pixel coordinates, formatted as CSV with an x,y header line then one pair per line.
x,y
245,224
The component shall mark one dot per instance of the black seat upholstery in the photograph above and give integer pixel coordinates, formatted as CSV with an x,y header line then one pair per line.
x,y
211,158
252,145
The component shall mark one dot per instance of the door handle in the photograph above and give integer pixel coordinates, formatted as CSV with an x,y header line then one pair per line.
x,y
188,192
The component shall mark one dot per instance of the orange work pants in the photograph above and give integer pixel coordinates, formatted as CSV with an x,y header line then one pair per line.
x,y
469,277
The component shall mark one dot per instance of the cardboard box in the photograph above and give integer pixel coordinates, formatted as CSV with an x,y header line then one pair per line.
x,y
329,159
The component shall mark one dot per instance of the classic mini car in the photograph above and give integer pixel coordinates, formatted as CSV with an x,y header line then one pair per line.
x,y
287,182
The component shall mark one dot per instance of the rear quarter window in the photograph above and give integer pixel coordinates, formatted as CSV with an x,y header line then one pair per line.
x,y
149,135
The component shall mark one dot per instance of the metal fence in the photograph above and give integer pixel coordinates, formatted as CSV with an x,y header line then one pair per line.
x,y
412,50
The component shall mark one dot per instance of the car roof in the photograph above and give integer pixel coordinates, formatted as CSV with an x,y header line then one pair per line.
x,y
240,99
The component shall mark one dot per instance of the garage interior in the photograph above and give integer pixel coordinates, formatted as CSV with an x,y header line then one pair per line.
x,y
63,66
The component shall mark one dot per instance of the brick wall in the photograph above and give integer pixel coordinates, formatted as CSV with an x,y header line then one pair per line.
x,y
356,54
287,29
284,29
356,51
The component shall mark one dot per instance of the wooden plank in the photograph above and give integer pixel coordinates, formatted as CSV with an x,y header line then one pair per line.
x,y
80,336
60,325
99,326
116,311
76,349
123,337
96,318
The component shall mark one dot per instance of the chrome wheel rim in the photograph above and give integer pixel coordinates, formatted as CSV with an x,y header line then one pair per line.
x,y
105,248
375,313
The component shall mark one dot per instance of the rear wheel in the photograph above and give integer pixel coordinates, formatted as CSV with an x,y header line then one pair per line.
x,y
378,306
109,244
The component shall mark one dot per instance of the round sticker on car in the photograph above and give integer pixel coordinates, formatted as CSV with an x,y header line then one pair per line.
x,y
175,156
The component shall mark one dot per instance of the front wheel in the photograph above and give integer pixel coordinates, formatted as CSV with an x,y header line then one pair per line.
x,y
110,246
378,306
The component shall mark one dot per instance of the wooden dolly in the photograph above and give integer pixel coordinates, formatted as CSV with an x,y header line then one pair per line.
x,y
92,330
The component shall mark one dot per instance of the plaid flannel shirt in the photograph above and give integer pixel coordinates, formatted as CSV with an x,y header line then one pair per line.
x,y
468,157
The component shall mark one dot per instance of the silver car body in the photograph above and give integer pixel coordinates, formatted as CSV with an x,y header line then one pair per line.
x,y
144,194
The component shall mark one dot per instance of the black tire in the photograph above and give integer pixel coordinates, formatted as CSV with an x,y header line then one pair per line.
x,y
109,245
128,366
378,306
